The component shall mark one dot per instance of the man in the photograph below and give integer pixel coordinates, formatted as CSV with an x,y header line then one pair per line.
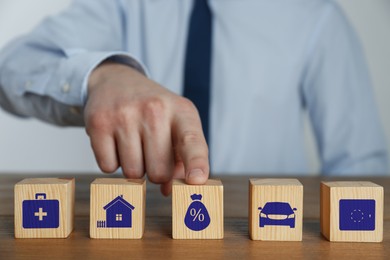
x,y
119,68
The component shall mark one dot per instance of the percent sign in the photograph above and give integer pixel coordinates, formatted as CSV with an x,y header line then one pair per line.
x,y
196,215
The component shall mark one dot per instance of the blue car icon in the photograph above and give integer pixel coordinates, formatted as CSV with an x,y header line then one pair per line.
x,y
277,214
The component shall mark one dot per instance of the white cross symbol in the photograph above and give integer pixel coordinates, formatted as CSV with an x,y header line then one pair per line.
x,y
40,214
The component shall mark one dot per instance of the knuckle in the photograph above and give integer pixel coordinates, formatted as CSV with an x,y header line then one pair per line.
x,y
108,167
191,137
158,177
124,113
199,159
130,172
153,107
186,104
97,121
153,112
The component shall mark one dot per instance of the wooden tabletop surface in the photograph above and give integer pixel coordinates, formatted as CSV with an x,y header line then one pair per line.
x,y
158,243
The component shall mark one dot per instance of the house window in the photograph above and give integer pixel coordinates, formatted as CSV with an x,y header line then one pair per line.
x,y
118,217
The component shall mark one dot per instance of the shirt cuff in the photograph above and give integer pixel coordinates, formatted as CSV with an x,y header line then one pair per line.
x,y
118,57
68,84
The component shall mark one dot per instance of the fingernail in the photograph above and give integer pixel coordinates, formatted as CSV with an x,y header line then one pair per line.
x,y
196,175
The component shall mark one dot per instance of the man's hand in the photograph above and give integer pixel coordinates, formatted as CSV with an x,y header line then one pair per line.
x,y
139,125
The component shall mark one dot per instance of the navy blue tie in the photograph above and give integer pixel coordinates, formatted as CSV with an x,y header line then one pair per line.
x,y
198,61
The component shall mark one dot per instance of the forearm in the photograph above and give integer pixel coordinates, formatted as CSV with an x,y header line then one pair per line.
x,y
44,73
49,85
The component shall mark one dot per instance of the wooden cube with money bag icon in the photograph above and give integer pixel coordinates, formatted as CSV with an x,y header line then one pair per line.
x,y
197,210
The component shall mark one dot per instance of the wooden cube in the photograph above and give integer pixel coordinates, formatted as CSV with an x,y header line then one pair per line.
x,y
117,208
44,207
197,210
275,209
352,211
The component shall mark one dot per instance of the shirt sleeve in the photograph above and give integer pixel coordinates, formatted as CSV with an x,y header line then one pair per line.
x,y
44,74
339,98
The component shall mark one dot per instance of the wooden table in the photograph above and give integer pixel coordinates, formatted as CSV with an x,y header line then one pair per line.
x,y
157,241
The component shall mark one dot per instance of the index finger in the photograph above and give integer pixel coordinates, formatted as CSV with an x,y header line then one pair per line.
x,y
191,146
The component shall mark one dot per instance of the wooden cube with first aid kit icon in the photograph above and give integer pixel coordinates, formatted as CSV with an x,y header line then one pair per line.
x,y
117,208
352,211
197,210
275,209
44,207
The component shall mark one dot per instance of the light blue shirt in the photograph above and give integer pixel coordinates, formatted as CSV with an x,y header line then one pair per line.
x,y
271,62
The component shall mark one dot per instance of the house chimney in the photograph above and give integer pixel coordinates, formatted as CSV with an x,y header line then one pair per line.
x,y
122,196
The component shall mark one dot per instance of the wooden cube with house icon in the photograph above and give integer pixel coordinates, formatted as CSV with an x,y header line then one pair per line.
x,y
117,208
275,209
352,211
44,207
197,210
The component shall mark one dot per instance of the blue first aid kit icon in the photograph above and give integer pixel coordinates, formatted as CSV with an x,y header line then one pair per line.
x,y
41,213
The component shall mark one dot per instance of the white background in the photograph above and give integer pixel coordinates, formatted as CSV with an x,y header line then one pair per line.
x,y
32,146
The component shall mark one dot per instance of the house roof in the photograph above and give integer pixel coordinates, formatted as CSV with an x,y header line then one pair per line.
x,y
119,199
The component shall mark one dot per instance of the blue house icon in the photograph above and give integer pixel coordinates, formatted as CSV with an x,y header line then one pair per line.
x,y
118,214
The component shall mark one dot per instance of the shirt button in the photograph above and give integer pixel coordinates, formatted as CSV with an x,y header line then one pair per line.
x,y
75,110
66,88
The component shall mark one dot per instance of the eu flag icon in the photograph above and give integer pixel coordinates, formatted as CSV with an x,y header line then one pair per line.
x,y
357,214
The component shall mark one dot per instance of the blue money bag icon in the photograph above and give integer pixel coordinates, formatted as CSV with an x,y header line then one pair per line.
x,y
197,217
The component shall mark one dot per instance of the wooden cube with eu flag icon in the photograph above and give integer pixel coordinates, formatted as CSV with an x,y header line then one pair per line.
x,y
44,207
197,210
117,208
275,209
352,211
